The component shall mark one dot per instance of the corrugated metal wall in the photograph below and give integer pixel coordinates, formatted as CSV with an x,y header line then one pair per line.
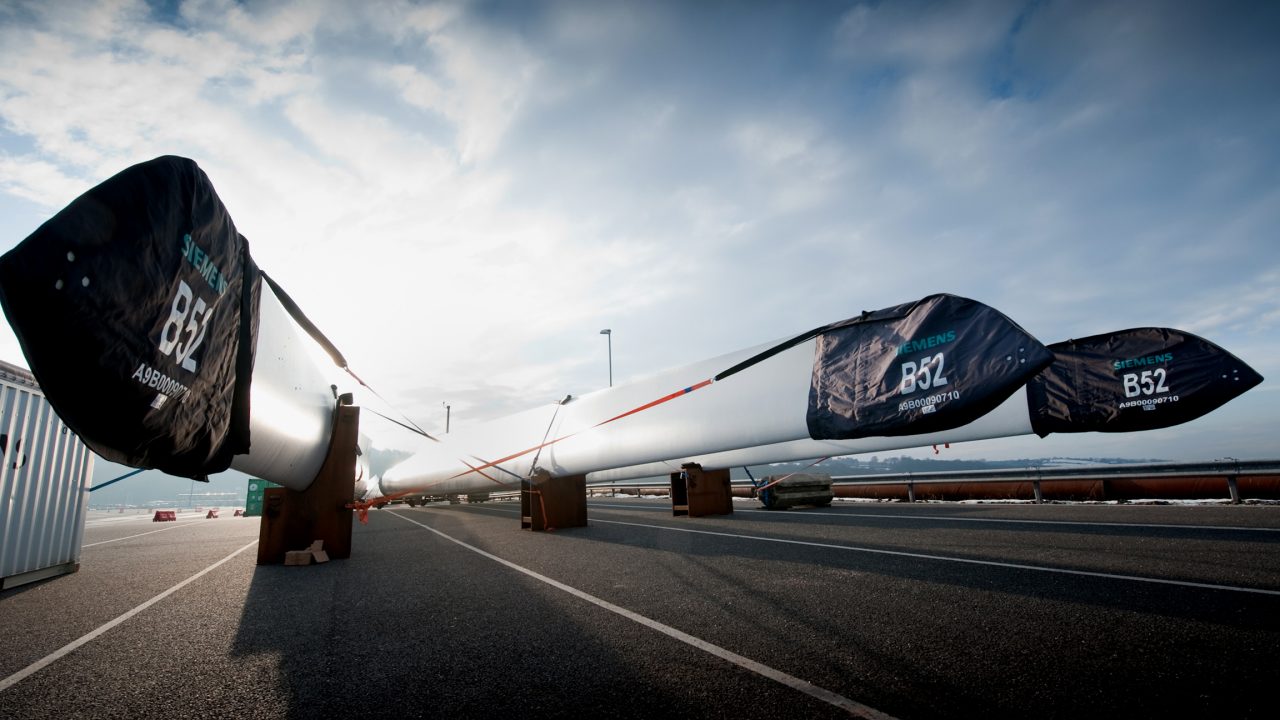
x,y
44,484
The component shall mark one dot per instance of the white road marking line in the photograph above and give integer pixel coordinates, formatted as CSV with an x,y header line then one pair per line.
x,y
56,655
944,518
183,516
853,707
943,558
149,532
994,563
91,520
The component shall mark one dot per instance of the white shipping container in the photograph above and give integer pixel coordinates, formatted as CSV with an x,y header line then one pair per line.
x,y
44,484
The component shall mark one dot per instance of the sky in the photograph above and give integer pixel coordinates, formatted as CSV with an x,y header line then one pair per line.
x,y
463,194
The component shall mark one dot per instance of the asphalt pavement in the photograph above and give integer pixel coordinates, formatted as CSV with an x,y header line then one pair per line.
x,y
902,610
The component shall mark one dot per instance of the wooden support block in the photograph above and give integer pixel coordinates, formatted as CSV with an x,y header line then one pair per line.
x,y
705,492
292,519
553,503
297,557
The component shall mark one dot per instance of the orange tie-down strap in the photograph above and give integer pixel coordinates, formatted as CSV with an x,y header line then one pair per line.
x,y
362,507
542,502
666,398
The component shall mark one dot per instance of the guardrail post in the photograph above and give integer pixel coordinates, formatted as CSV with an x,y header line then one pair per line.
x,y
1235,491
911,491
1035,485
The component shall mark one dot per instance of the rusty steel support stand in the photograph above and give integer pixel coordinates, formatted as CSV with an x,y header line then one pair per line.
x,y
696,492
292,520
553,503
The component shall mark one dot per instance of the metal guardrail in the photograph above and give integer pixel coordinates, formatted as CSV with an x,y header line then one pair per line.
x,y
1222,468
1227,469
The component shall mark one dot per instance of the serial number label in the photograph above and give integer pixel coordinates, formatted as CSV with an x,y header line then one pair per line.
x,y
924,374
1149,389
184,331
1148,382
152,378
928,403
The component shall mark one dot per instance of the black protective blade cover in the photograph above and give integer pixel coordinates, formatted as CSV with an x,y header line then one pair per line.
x,y
935,364
136,307
1138,379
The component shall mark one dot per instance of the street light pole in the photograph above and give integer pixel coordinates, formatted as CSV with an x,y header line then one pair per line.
x,y
609,333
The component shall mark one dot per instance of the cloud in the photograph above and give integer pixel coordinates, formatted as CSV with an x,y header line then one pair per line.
x,y
39,181
462,194
923,35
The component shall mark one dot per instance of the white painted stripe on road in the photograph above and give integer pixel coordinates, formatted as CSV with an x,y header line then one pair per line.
x,y
852,706
56,655
116,520
943,558
127,537
183,516
827,515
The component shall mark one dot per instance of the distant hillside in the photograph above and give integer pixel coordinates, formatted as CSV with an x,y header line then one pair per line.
x,y
902,464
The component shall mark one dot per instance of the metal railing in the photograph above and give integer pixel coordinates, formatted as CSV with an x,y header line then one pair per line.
x,y
1228,469
1222,468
